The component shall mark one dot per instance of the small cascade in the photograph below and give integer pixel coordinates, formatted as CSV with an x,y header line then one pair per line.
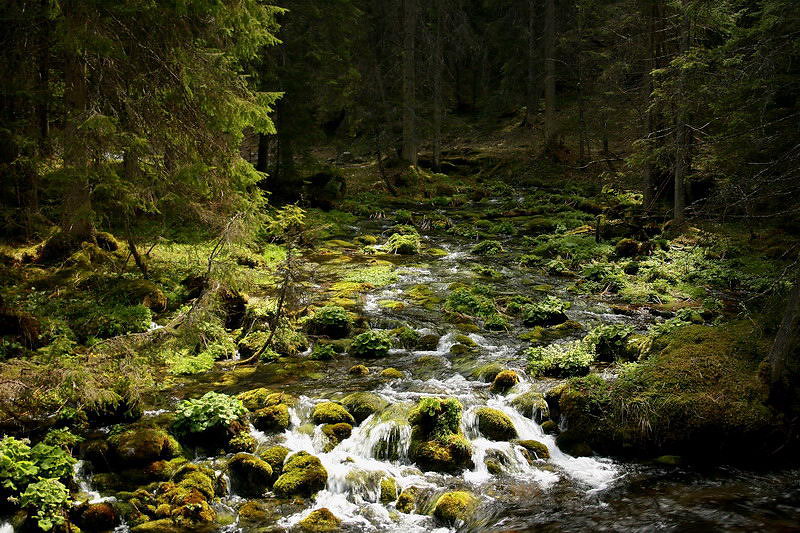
x,y
82,475
5,527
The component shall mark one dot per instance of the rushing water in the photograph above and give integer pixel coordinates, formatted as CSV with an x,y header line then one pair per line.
x,y
563,493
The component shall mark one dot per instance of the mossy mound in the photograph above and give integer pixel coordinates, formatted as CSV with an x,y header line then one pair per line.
x,y
494,424
455,507
535,449
331,413
330,321
303,475
392,373
275,456
698,393
259,398
363,404
407,501
336,433
389,490
488,372
250,476
403,244
504,381
142,445
531,404
273,418
436,440
96,517
358,370
320,521
427,342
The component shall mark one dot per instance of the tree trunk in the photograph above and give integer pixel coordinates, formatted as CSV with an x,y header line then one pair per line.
x,y
783,357
76,220
437,88
550,72
581,109
263,152
681,135
409,81
533,82
650,177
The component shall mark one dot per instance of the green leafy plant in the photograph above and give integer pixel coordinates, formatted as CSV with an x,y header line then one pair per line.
x,y
48,498
323,352
560,360
403,244
371,344
487,248
212,410
332,321
610,341
548,312
469,302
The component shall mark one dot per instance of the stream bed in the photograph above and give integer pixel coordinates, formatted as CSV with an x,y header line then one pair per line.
x,y
563,493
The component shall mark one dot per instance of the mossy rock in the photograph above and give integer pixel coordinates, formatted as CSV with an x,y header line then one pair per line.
x,y
358,370
336,433
534,448
142,445
449,454
96,517
330,321
363,404
455,507
573,443
253,512
303,475
163,525
549,427
259,398
488,371
403,244
141,292
320,521
331,413
495,424
242,442
626,248
392,373
389,490
275,456
428,342
531,404
250,476
272,419
504,381
407,501
465,340
461,349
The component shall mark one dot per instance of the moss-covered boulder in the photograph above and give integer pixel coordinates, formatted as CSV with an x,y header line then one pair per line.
x,y
336,433
320,521
358,370
626,248
389,490
427,342
273,418
96,517
303,475
403,244
531,404
697,392
331,413
242,442
504,381
142,445
455,507
407,501
392,373
534,449
256,399
250,475
495,424
363,404
275,456
437,443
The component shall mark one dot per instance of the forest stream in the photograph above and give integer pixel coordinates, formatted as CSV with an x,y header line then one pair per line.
x,y
515,490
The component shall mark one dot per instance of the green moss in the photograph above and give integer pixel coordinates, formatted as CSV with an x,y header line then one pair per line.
x,y
272,419
455,507
697,392
363,404
403,244
487,248
423,296
303,475
358,370
242,442
336,433
504,381
250,475
535,449
611,342
331,413
436,441
531,404
392,373
549,427
495,424
320,521
259,398
407,501
275,456
143,445
467,301
488,371
406,336
389,490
